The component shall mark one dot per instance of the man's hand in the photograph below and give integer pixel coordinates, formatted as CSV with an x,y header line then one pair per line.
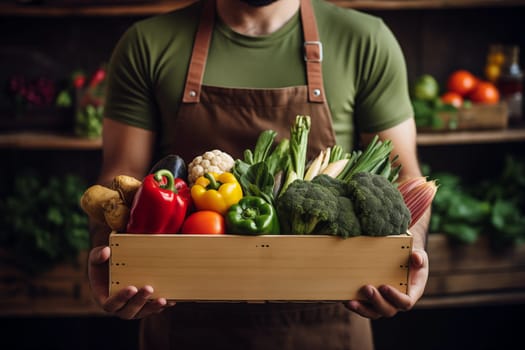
x,y
130,302
387,301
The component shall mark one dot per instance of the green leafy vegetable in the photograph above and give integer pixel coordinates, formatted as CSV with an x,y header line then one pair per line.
x,y
262,148
493,207
256,171
42,223
258,182
278,159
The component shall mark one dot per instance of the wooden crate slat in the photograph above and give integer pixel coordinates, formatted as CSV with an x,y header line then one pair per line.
x,y
243,268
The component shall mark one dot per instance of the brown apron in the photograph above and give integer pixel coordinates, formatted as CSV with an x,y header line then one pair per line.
x,y
231,119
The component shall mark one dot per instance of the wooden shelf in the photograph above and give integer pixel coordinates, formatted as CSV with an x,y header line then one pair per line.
x,y
475,274
32,140
143,9
62,291
423,4
470,137
162,6
472,300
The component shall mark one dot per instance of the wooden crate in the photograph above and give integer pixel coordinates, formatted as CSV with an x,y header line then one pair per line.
x,y
258,268
475,117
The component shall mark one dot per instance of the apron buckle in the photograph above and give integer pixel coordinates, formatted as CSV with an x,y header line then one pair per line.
x,y
313,51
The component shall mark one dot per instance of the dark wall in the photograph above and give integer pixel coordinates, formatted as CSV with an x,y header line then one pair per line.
x,y
434,41
53,47
440,41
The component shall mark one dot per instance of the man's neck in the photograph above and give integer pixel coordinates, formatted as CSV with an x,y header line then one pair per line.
x,y
256,21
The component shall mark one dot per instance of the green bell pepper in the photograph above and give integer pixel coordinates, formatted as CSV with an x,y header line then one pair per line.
x,y
252,216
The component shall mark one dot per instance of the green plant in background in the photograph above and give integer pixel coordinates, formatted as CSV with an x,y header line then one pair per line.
x,y
456,212
427,114
41,222
88,121
90,101
88,95
507,195
494,207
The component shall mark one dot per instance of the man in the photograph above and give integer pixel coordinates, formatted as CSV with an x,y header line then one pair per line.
x,y
214,75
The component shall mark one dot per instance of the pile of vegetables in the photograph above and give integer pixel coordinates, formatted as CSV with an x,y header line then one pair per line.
x,y
273,189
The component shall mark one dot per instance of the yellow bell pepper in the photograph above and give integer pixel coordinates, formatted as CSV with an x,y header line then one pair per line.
x,y
217,192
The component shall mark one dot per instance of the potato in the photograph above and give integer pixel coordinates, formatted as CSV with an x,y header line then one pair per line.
x,y
116,213
126,186
93,199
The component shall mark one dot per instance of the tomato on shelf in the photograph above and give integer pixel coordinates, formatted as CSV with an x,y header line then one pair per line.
x,y
485,92
452,98
462,82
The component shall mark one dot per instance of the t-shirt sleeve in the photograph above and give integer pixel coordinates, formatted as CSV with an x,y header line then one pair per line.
x,y
130,97
383,99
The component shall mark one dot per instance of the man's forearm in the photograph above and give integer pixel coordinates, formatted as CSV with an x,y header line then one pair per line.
x,y
420,230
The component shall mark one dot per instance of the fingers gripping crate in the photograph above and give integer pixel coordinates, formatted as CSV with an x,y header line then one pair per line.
x,y
258,268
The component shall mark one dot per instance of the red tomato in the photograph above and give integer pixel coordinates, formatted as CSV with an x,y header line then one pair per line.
x,y
485,92
204,222
461,82
79,81
98,77
452,98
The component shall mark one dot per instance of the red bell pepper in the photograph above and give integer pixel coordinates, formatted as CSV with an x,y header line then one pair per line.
x,y
160,204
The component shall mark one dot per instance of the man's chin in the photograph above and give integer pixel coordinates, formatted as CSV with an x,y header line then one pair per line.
x,y
259,3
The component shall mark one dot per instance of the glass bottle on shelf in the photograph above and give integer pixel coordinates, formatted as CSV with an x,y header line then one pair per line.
x,y
510,84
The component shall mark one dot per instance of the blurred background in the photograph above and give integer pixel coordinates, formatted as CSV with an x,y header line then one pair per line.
x,y
53,55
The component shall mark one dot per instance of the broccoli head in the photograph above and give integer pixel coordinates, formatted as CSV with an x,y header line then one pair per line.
x,y
378,204
338,187
346,223
306,207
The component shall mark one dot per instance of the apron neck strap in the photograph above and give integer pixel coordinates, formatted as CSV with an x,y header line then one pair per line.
x,y
201,44
313,53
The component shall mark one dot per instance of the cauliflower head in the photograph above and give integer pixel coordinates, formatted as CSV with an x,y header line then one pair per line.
x,y
211,161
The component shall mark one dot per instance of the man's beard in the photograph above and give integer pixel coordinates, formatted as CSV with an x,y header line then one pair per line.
x,y
258,3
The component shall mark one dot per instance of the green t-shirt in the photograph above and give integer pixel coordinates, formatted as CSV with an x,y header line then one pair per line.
x,y
363,67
